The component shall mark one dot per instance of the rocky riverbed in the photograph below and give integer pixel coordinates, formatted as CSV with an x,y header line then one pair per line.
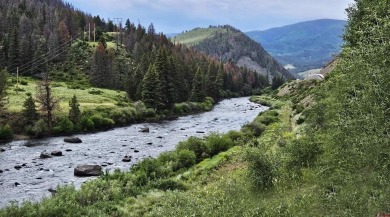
x,y
27,175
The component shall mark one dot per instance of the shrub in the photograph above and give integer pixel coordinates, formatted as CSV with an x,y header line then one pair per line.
x,y
208,103
23,82
255,129
303,152
261,169
235,135
6,132
267,119
40,128
218,143
64,126
100,122
149,113
95,92
186,159
169,184
86,124
197,145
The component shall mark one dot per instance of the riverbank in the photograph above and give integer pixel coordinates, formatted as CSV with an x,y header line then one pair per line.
x,y
108,148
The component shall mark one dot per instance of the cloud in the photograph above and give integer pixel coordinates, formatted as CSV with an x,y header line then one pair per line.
x,y
245,14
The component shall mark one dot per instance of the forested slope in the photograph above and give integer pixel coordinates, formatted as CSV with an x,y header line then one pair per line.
x,y
229,44
51,40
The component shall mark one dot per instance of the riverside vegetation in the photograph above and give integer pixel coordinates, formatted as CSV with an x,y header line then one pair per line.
x,y
321,150
130,75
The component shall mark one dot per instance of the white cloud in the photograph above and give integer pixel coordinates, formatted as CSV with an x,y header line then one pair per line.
x,y
249,14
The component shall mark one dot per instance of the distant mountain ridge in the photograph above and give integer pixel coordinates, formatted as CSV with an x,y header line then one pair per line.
x,y
305,45
229,44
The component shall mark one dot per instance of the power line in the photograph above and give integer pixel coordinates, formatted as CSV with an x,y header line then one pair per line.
x,y
43,56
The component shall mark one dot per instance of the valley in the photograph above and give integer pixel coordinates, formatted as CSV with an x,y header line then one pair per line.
x,y
206,123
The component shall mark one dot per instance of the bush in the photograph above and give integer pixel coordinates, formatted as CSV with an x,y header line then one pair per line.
x,y
255,129
197,145
86,124
101,123
64,126
95,92
303,153
261,169
6,132
149,113
235,135
218,143
267,119
186,159
169,184
40,128
208,103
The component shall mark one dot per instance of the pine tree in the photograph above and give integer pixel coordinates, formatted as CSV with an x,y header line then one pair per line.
x,y
48,103
197,93
29,111
166,71
74,111
151,89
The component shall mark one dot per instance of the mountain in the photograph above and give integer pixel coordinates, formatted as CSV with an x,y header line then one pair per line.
x,y
305,45
229,44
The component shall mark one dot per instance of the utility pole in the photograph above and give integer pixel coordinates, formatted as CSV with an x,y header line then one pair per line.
x,y
17,80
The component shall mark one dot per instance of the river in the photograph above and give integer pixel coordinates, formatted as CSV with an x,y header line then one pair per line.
x,y
107,149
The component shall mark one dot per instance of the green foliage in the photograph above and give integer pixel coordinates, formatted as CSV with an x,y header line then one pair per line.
x,y
186,159
95,92
151,89
197,92
86,124
254,128
218,143
6,132
169,184
261,169
196,145
303,153
101,123
74,111
40,128
64,125
29,111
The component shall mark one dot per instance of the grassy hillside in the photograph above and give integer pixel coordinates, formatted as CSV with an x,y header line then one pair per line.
x,y
197,35
306,45
89,98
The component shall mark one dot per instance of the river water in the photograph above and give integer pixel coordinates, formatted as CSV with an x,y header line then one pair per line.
x,y
107,149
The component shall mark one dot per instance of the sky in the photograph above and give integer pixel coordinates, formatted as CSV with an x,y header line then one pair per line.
x,y
175,16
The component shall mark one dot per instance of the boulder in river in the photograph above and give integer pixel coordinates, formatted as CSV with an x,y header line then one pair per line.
x,y
199,131
45,155
56,153
88,170
127,159
72,140
2,150
145,130
18,167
